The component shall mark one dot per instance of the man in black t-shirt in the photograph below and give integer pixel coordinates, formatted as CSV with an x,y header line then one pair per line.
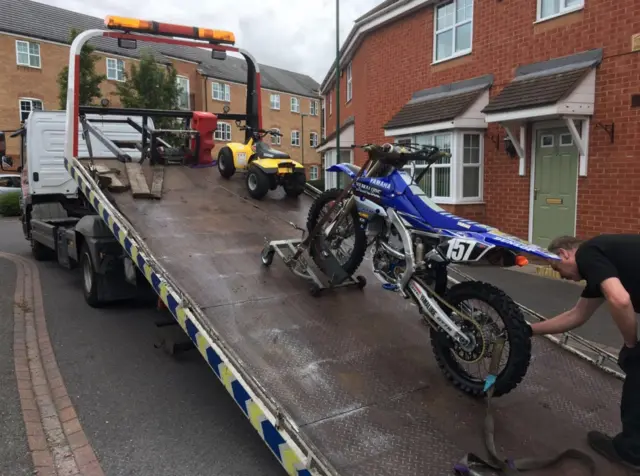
x,y
610,264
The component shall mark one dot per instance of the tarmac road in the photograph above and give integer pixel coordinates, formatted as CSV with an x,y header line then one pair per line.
x,y
144,412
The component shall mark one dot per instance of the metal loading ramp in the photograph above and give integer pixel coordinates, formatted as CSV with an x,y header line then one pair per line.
x,y
353,370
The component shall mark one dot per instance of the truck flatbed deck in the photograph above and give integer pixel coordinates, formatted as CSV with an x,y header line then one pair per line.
x,y
353,370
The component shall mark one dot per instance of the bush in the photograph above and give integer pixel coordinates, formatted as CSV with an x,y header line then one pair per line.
x,y
10,204
319,184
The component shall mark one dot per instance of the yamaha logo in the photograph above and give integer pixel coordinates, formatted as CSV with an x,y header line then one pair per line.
x,y
381,184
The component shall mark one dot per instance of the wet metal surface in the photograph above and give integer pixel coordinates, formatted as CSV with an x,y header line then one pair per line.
x,y
354,369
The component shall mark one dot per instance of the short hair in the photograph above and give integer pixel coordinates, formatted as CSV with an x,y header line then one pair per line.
x,y
564,243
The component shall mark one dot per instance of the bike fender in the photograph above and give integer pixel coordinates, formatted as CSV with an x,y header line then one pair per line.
x,y
342,168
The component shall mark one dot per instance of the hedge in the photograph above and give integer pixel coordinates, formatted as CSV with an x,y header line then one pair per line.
x,y
10,204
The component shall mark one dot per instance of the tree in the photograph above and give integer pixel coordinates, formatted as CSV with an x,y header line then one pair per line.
x,y
149,86
89,80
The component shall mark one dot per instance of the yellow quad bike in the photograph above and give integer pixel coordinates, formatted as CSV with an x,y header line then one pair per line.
x,y
266,168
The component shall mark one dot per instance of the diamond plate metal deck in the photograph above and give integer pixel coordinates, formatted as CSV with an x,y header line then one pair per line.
x,y
353,369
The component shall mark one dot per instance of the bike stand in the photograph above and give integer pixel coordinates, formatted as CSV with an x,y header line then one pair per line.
x,y
304,266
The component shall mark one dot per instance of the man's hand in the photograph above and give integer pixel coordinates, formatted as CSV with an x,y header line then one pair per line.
x,y
568,320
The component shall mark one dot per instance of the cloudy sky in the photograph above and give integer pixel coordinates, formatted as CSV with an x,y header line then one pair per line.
x,y
298,35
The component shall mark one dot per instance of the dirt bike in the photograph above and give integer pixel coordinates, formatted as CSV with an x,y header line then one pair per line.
x,y
413,242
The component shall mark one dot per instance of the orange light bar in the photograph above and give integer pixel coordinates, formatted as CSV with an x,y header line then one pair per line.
x,y
220,36
169,29
521,261
121,23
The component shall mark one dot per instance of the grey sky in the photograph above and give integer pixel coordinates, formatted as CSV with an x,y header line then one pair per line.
x,y
298,35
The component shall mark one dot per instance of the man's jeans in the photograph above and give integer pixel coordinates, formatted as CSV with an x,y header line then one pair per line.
x,y
627,443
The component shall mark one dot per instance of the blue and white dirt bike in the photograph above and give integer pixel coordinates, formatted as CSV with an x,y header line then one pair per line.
x,y
413,241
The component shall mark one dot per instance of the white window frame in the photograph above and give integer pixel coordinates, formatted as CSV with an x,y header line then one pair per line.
x,y
275,105
224,89
276,140
349,82
314,172
29,54
221,135
115,65
295,133
564,10
456,165
295,104
30,101
179,79
331,103
313,107
453,27
313,142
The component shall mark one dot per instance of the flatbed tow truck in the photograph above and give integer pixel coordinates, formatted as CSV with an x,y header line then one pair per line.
x,y
338,385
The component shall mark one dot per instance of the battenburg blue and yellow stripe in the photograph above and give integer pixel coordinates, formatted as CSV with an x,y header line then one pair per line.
x,y
276,439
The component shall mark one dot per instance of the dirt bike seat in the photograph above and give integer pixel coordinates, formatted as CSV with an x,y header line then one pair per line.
x,y
266,152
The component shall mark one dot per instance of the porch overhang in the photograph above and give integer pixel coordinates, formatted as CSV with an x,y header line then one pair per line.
x,y
454,105
561,88
347,137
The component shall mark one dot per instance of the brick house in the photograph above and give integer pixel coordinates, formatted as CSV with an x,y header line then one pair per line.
x,y
537,100
34,47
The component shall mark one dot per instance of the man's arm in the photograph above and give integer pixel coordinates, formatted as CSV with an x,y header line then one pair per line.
x,y
568,320
621,309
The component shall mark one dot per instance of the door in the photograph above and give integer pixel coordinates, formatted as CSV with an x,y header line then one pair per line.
x,y
555,185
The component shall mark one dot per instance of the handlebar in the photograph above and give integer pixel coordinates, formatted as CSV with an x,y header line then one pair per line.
x,y
395,155
273,132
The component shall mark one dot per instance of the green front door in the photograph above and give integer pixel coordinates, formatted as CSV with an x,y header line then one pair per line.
x,y
555,185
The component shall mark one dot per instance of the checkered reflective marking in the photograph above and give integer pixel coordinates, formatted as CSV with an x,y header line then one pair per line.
x,y
286,454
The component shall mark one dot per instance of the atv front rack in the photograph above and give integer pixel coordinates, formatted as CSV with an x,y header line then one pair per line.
x,y
302,265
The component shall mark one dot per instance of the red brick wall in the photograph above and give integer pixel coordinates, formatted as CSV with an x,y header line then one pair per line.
x,y
395,61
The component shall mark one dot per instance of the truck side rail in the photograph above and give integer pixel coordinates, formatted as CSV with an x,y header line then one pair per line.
x,y
275,427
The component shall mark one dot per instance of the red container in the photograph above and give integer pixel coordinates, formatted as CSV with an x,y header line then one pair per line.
x,y
206,124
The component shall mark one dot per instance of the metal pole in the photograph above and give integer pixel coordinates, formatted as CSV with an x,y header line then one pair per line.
x,y
337,81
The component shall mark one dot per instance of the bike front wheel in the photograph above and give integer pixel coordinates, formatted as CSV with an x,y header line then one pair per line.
x,y
350,230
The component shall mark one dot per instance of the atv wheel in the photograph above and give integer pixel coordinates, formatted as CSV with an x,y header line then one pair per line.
x,y
294,184
226,167
517,348
258,182
355,257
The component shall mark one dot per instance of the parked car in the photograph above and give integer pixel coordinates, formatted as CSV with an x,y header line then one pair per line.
x,y
9,183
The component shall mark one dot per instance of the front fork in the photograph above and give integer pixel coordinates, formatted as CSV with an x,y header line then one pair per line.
x,y
432,308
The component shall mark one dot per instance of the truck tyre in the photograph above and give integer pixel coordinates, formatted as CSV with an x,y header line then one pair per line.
x,y
39,251
89,278
258,182
226,167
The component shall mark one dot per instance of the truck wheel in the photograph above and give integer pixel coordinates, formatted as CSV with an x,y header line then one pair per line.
x,y
39,251
226,167
89,278
258,182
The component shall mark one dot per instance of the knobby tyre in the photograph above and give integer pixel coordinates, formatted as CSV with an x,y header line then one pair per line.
x,y
360,237
515,325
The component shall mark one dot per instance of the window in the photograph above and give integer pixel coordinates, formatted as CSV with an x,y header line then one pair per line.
x,y
183,98
453,30
457,179
471,165
349,84
115,69
10,181
221,92
554,8
275,101
313,107
295,104
223,132
330,103
295,138
566,139
313,172
28,54
546,141
276,140
28,105
313,139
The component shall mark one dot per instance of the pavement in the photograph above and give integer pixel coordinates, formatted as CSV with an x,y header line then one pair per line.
x,y
140,410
